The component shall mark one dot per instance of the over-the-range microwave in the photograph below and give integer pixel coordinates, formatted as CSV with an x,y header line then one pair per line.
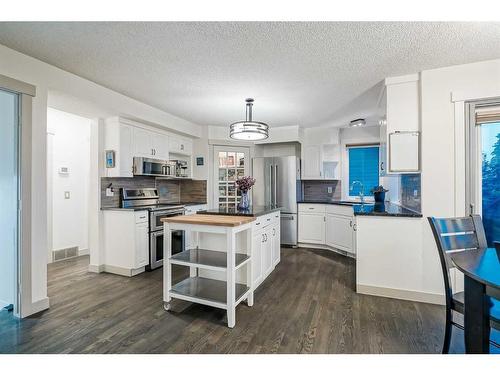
x,y
153,167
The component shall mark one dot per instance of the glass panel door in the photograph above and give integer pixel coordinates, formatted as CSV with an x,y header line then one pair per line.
x,y
484,171
230,164
9,116
490,180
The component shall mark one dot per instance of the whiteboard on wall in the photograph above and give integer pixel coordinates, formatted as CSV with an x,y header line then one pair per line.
x,y
404,152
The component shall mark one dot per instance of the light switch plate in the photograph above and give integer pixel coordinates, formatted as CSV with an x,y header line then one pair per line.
x,y
66,195
330,190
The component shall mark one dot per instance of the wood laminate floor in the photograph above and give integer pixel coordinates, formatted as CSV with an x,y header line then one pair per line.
x,y
307,305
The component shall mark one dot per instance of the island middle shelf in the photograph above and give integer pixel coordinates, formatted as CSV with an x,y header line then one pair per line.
x,y
208,259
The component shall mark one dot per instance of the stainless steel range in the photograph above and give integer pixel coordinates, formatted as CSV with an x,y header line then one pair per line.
x,y
149,199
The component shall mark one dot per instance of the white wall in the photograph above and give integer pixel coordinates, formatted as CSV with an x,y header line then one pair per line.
x,y
443,147
8,198
47,79
70,147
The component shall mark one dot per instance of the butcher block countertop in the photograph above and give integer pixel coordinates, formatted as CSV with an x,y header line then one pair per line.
x,y
214,220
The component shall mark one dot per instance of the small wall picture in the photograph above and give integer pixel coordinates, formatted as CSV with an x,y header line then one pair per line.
x,y
110,159
199,160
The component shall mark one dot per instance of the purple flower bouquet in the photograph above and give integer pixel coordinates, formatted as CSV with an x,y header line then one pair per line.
x,y
244,184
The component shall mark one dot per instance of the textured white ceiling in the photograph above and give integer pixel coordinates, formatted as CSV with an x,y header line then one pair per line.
x,y
299,73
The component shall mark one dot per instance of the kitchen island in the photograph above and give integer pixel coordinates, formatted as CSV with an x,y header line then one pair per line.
x,y
230,256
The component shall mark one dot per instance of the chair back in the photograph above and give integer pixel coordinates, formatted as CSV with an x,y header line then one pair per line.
x,y
456,234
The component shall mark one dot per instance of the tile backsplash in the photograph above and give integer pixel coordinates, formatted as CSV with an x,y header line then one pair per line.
x,y
318,189
410,192
171,191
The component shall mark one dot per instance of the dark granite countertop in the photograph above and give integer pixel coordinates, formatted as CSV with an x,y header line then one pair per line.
x,y
372,209
254,211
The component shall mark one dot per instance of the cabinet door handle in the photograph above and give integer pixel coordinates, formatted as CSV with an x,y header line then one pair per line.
x,y
355,227
182,147
382,166
274,232
269,219
350,223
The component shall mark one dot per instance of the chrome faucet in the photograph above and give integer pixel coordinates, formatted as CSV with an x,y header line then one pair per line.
x,y
361,190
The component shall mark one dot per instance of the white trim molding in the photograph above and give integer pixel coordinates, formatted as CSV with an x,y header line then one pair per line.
x,y
408,295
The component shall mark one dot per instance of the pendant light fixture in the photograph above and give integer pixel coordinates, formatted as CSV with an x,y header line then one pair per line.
x,y
249,130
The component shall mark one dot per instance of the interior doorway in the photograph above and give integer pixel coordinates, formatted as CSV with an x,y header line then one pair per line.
x,y
68,185
229,164
9,198
484,165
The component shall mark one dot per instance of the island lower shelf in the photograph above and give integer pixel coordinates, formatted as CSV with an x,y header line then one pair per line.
x,y
207,291
208,259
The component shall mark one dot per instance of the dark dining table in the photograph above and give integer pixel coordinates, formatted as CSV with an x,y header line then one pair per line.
x,y
481,270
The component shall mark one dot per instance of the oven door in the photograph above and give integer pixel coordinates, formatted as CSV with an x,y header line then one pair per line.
x,y
156,224
157,251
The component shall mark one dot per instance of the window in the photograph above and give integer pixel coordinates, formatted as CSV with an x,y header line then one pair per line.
x,y
363,167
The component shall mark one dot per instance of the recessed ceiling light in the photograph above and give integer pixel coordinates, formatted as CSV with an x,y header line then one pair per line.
x,y
357,122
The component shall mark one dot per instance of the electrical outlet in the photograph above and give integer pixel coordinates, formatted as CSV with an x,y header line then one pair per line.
x,y
66,195
330,190
110,192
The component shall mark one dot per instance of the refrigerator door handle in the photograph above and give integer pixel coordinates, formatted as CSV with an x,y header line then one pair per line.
x,y
271,188
276,185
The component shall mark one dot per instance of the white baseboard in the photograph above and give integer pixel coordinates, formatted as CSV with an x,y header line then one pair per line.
x,y
129,272
408,295
96,268
35,307
83,252
326,247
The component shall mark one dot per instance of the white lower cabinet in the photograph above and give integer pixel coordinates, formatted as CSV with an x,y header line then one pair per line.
x,y
330,225
141,244
275,231
266,246
126,241
257,245
312,227
339,233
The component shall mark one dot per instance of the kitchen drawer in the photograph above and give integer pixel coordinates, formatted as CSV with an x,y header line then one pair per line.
x,y
141,217
263,221
335,209
312,208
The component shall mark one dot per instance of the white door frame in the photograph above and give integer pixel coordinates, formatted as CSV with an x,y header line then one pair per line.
x,y
215,167
23,270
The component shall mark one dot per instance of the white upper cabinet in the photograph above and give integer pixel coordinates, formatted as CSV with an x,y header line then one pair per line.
x,y
160,146
321,154
143,145
311,162
150,144
180,146
400,133
128,138
119,138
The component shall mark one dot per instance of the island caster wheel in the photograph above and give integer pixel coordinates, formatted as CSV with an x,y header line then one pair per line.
x,y
166,306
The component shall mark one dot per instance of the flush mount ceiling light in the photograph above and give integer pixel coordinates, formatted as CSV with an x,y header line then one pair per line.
x,y
249,130
357,122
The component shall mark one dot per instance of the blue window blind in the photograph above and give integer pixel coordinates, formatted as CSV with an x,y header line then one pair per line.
x,y
363,167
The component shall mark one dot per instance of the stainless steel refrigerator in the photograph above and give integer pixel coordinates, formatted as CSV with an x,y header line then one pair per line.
x,y
278,184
